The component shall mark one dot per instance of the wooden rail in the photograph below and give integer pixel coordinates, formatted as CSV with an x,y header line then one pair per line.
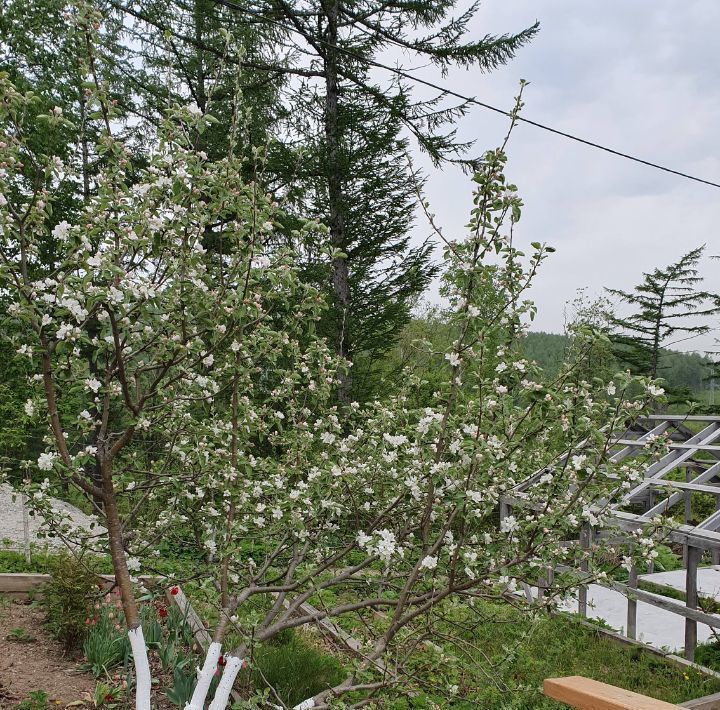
x,y
586,694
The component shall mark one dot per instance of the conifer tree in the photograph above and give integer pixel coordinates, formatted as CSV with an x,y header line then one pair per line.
x,y
332,45
667,306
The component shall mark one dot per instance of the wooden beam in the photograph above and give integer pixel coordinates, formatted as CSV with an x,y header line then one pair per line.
x,y
199,632
682,417
707,702
667,603
697,447
586,694
691,601
21,583
586,534
631,631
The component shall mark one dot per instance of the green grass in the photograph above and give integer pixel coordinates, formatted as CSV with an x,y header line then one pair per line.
x,y
500,669
296,669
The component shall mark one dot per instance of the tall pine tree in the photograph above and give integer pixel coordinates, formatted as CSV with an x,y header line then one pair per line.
x,y
666,306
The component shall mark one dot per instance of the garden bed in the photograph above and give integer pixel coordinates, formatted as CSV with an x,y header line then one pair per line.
x,y
32,662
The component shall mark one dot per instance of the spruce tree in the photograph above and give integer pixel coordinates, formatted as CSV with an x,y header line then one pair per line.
x,y
667,306
331,46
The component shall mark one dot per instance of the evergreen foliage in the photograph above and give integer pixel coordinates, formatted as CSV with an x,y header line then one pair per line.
x,y
350,129
664,303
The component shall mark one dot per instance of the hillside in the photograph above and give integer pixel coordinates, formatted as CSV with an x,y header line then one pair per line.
x,y
681,370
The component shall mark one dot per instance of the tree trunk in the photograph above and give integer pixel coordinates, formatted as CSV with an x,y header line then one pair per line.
x,y
200,11
127,594
340,272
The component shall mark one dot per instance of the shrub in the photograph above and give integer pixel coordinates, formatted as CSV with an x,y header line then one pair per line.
x,y
296,670
68,599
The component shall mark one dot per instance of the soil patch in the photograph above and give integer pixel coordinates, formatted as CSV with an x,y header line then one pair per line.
x,y
31,660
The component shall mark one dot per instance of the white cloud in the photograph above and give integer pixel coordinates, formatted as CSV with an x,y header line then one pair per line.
x,y
639,77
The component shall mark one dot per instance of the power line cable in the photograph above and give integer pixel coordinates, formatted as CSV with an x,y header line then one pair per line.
x,y
469,99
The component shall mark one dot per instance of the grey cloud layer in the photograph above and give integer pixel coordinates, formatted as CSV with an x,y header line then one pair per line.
x,y
639,76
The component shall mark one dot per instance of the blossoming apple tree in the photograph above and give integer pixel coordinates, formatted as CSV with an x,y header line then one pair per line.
x,y
204,399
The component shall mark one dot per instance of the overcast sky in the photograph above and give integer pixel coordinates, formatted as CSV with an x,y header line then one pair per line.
x,y
641,77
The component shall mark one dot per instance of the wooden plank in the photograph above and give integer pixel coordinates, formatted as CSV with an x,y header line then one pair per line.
x,y
672,459
676,607
20,582
697,447
586,694
682,534
707,702
691,601
712,488
695,485
200,633
682,417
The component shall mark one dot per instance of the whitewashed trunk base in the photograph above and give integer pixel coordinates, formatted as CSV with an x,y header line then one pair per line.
x,y
142,669
205,676
233,664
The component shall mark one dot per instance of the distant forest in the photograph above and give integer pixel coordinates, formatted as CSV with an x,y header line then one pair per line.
x,y
680,370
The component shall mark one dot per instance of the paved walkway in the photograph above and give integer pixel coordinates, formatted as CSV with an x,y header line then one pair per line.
x,y
708,580
12,535
656,627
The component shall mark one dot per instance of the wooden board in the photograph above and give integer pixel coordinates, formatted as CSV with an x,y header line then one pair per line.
x,y
708,702
200,633
21,583
586,694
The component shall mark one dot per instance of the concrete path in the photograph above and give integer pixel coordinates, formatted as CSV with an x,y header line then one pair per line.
x,y
656,627
708,580
12,535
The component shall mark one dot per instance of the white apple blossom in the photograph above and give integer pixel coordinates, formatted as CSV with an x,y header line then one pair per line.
x,y
46,461
429,562
93,384
61,230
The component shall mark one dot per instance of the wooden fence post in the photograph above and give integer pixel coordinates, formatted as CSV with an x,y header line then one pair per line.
x,y
715,555
631,630
585,537
687,513
691,600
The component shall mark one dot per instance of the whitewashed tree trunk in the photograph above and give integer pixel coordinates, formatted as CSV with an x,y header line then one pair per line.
x,y
205,676
233,664
142,668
